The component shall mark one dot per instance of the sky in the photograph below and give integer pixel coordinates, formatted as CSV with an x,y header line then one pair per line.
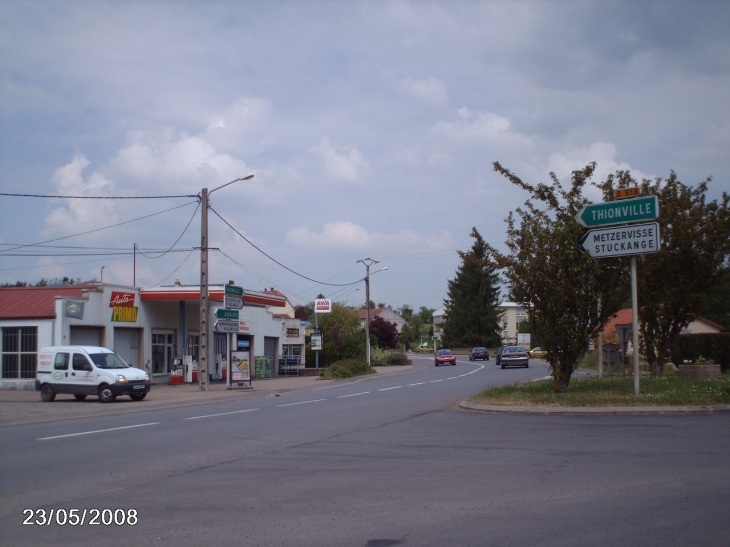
x,y
370,128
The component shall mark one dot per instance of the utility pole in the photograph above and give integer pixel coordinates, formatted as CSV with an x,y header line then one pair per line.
x,y
204,297
368,262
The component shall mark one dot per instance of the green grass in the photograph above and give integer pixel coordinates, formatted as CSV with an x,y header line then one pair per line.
x,y
668,390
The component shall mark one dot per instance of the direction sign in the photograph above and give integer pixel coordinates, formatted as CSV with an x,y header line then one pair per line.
x,y
232,302
231,315
619,212
636,239
233,290
226,326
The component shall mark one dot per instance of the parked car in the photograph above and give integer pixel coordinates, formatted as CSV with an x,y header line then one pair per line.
x,y
479,353
514,356
445,357
538,353
498,357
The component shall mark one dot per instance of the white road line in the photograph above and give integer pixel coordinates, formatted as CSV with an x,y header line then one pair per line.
x,y
434,381
221,414
389,388
353,394
97,431
417,384
304,402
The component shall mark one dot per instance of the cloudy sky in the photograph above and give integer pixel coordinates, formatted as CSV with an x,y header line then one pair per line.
x,y
370,127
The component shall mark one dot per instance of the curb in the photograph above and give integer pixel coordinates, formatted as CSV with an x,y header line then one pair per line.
x,y
701,409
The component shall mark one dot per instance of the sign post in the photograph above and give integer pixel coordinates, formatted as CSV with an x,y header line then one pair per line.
x,y
631,239
321,305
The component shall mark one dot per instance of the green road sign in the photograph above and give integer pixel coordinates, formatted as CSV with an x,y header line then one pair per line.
x,y
619,212
220,313
233,290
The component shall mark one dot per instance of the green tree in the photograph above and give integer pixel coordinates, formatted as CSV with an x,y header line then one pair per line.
x,y
426,314
385,332
675,283
472,303
548,272
717,306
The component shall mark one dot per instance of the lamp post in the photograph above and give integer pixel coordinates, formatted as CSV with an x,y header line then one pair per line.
x,y
204,310
368,262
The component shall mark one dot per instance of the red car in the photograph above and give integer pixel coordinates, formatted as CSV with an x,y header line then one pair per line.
x,y
445,357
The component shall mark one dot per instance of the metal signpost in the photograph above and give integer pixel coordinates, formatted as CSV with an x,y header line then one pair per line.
x,y
631,239
321,305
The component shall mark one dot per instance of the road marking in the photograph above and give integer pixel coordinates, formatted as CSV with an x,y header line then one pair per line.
x,y
434,381
417,384
221,414
353,394
389,388
304,402
97,431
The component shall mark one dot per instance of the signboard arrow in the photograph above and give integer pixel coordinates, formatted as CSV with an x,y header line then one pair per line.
x,y
636,239
231,315
226,326
232,302
233,290
619,212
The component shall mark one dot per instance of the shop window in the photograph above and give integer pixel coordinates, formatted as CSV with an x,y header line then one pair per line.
x,y
19,352
163,349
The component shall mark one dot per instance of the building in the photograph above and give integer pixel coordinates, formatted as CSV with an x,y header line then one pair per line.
x,y
152,329
384,313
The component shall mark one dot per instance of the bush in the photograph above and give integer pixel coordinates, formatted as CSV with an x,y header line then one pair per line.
x,y
347,368
387,357
715,347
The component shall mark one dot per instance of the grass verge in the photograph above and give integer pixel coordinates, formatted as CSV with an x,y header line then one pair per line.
x,y
611,391
347,368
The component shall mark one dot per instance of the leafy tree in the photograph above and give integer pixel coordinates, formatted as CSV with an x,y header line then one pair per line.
x,y
717,306
548,272
385,332
426,314
303,312
472,303
674,283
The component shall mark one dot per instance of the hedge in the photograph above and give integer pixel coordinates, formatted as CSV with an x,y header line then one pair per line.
x,y
714,347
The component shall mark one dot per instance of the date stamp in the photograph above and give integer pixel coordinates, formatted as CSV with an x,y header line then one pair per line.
x,y
80,517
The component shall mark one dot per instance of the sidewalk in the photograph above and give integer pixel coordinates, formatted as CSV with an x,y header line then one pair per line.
x,y
24,407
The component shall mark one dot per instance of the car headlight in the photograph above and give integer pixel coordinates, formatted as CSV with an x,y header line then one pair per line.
x,y
121,379
147,376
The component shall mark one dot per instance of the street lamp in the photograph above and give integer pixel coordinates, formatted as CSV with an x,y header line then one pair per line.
x,y
347,295
368,262
204,325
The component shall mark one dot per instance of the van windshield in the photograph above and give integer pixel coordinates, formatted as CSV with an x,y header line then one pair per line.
x,y
108,360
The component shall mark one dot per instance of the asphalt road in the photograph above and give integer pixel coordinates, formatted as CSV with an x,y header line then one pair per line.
x,y
376,462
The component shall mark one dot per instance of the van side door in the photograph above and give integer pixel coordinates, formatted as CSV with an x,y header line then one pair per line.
x,y
83,374
61,381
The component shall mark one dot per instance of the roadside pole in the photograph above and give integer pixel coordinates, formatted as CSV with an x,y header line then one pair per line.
x,y
635,323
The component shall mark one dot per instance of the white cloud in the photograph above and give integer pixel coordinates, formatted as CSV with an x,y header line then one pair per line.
x,y
334,235
342,164
430,91
605,155
479,127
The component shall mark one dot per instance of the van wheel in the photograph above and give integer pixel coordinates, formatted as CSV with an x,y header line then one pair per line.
x,y
47,393
105,394
138,396
80,397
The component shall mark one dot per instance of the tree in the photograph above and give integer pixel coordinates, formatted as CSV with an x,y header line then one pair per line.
x,y
548,272
303,312
675,283
472,303
717,306
341,330
385,332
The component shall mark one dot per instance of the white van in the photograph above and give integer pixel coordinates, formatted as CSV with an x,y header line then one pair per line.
x,y
88,370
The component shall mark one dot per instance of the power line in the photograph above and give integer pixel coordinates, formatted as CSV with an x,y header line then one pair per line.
x,y
95,197
276,261
178,239
97,229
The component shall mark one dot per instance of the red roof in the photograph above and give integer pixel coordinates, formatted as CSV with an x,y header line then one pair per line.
x,y
36,302
622,317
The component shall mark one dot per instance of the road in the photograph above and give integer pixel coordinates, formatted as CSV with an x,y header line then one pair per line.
x,y
374,462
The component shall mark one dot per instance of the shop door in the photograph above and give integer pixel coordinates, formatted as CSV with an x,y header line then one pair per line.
x,y
163,350
127,346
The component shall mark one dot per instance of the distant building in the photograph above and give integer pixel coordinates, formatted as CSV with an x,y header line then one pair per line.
x,y
385,313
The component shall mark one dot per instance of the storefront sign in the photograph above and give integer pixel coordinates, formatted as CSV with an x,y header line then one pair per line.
x,y
121,299
292,333
243,326
124,314
74,309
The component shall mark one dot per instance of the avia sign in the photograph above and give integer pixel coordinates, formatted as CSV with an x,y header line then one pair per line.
x,y
322,305
619,212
